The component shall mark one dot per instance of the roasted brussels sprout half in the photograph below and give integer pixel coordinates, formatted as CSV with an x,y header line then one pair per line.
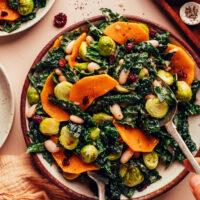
x,y
26,7
32,95
94,133
114,156
184,92
62,90
106,46
133,177
49,126
143,72
156,108
67,139
122,170
167,77
151,160
101,117
89,153
83,51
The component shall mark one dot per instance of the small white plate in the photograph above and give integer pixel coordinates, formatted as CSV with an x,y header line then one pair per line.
x,y
6,106
39,15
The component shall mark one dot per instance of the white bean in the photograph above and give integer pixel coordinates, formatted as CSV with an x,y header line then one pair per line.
x,y
76,119
116,111
123,76
51,146
89,39
154,43
126,156
62,78
121,62
58,72
92,66
70,47
31,111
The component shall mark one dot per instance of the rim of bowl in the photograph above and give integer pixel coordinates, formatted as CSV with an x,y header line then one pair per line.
x,y
11,118
42,53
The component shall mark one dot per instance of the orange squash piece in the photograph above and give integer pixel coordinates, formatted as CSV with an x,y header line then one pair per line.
x,y
76,46
51,109
120,32
136,139
182,64
10,15
57,42
75,165
89,88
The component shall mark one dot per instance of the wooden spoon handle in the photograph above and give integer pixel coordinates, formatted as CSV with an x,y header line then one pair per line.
x,y
171,128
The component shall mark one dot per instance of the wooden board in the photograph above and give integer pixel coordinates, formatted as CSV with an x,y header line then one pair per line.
x,y
191,33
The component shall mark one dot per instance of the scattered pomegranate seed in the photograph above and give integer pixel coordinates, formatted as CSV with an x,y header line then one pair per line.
x,y
112,59
60,20
132,77
129,46
62,62
37,119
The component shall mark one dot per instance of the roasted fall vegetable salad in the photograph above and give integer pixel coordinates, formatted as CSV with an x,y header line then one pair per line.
x,y
97,98
15,12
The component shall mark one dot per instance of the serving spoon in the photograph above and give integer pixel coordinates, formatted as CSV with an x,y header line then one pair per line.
x,y
172,130
101,182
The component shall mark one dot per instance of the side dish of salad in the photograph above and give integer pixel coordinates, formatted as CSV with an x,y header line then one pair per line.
x,y
15,12
97,98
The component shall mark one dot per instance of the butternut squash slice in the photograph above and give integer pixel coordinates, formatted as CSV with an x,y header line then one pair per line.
x,y
6,13
89,88
57,42
51,109
75,49
136,139
120,32
182,64
74,166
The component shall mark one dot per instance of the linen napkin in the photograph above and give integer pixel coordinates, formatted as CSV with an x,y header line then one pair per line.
x,y
20,181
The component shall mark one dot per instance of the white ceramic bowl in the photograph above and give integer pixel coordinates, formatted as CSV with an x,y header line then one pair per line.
x,y
6,106
170,176
26,25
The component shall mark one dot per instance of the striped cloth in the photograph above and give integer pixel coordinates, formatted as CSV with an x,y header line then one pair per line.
x,y
20,181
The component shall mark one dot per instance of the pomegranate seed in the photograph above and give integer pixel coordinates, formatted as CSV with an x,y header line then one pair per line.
x,y
132,77
112,59
37,119
60,20
129,46
62,62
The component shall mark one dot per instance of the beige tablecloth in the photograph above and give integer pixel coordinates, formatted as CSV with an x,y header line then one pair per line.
x,y
20,181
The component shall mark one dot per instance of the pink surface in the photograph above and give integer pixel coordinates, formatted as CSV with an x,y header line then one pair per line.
x,y
18,52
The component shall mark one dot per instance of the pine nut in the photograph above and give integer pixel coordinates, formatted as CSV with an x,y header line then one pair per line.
x,y
69,47
51,146
62,78
31,111
92,66
154,43
123,76
126,156
116,111
89,39
58,72
76,119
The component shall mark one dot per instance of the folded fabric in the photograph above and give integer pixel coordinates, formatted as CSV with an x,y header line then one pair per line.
x,y
20,181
